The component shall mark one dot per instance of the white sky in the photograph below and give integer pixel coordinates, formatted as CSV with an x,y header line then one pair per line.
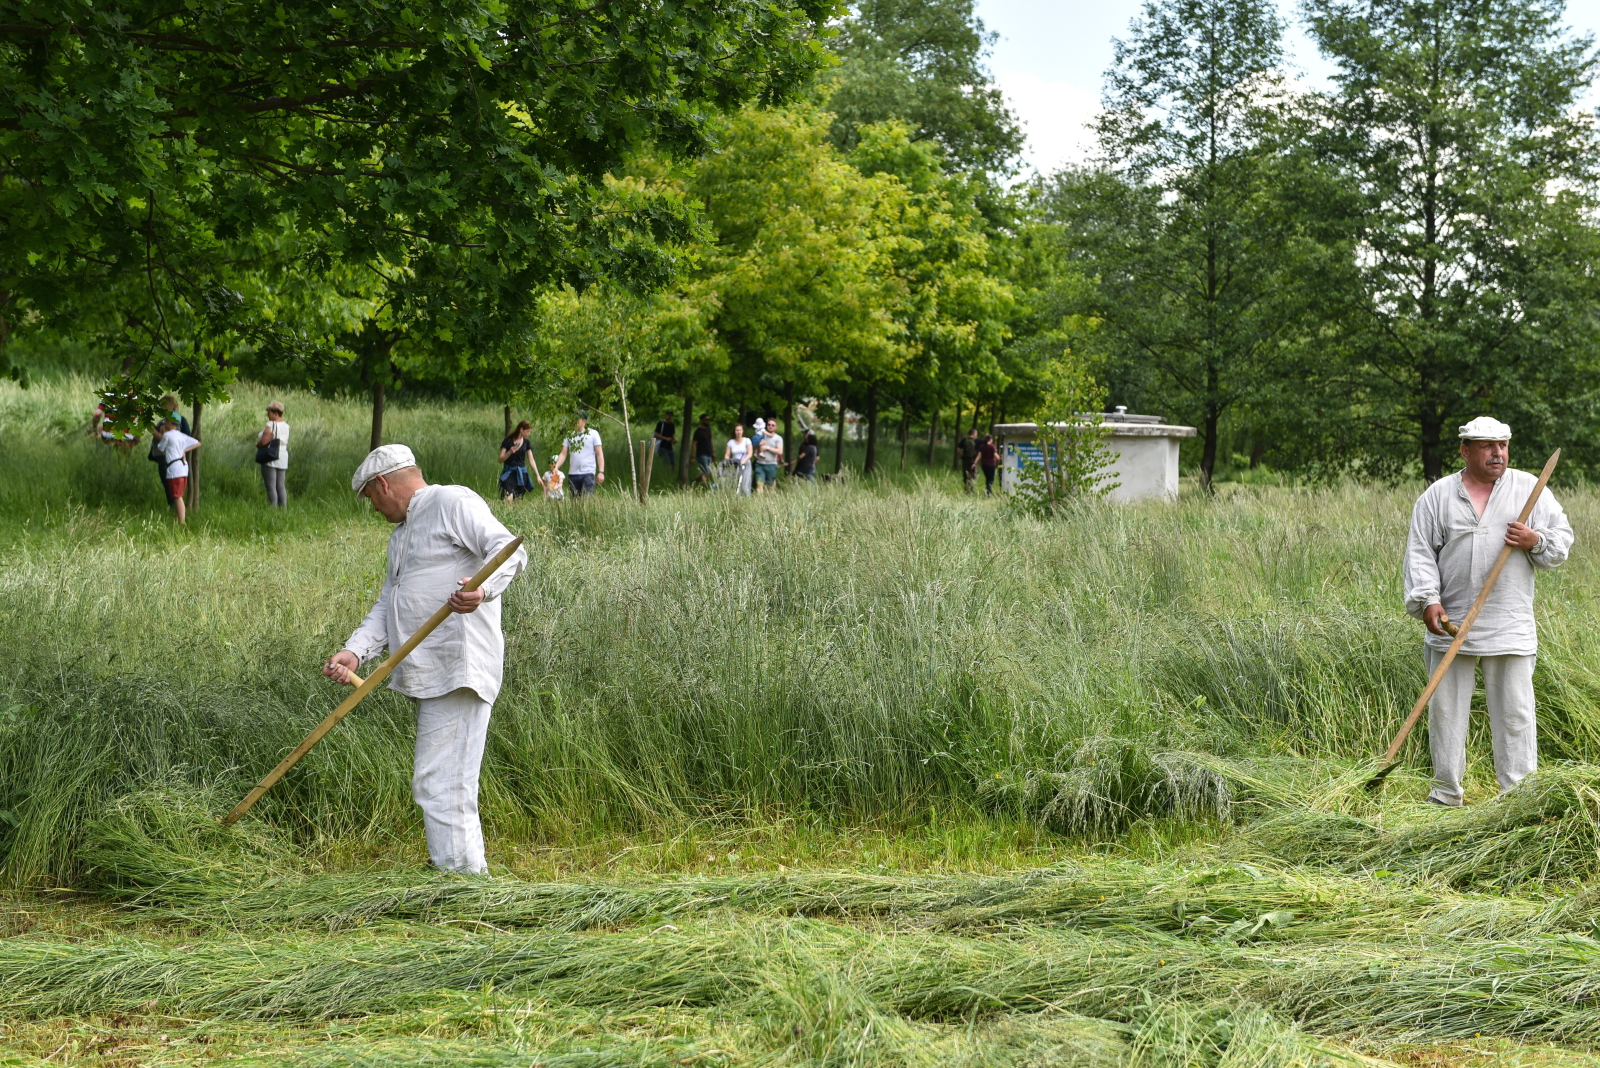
x,y
1052,53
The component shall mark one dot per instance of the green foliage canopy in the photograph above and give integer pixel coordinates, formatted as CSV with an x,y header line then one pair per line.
x,y
456,148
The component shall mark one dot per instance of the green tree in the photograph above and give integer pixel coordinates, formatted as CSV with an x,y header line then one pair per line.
x,y
805,289
1473,173
596,345
1074,454
951,303
922,61
1195,250
456,149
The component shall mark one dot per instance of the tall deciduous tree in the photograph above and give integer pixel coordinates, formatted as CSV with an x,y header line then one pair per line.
x,y
456,148
800,267
1456,127
922,61
952,305
1194,262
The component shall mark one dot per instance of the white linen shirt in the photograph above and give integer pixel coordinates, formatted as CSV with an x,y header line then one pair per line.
x,y
1451,550
448,534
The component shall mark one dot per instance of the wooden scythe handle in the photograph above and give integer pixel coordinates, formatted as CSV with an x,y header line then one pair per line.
x,y
371,683
1472,616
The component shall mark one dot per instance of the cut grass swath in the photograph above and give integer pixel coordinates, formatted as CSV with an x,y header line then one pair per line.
x,y
1546,990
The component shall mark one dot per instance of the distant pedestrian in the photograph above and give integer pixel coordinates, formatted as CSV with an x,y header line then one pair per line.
x,y
769,454
585,458
988,459
666,437
175,448
705,456
969,447
516,454
736,455
805,462
272,453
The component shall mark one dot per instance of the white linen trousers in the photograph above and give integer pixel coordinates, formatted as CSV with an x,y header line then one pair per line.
x,y
1508,691
444,782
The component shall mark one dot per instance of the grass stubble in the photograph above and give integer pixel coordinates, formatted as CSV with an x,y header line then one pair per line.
x,y
864,777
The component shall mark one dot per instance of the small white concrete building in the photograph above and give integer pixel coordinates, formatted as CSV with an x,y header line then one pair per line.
x,y
1144,450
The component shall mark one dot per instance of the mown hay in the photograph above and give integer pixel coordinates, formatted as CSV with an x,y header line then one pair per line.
x,y
1545,990
1547,830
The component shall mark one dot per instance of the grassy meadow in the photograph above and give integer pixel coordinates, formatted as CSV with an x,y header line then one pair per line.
x,y
872,774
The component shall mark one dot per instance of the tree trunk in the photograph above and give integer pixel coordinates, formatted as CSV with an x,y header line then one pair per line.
x,y
627,431
788,422
838,437
508,420
685,440
871,466
955,452
1208,455
193,493
377,415
647,466
933,433
1431,425
905,433
1257,450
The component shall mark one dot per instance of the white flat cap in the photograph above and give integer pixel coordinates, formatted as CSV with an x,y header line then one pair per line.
x,y
761,424
1485,428
384,460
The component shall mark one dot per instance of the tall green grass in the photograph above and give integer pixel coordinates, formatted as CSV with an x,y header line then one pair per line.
x,y
839,652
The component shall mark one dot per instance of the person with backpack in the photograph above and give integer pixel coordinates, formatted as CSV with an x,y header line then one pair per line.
x,y
175,446
169,404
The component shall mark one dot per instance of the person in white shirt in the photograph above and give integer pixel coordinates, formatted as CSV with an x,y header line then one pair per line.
x,y
736,454
1457,528
175,446
586,466
273,472
442,536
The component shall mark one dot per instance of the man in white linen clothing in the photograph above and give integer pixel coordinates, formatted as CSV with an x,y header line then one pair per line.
x,y
1457,528
442,536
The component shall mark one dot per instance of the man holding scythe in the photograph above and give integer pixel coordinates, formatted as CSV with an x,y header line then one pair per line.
x,y
1457,528
441,534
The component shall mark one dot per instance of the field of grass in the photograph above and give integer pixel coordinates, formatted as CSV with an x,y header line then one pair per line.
x,y
878,774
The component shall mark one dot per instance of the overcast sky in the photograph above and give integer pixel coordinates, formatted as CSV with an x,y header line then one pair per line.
x,y
1052,53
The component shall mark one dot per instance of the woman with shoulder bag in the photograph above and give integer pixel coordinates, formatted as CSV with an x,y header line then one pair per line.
x,y
272,453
